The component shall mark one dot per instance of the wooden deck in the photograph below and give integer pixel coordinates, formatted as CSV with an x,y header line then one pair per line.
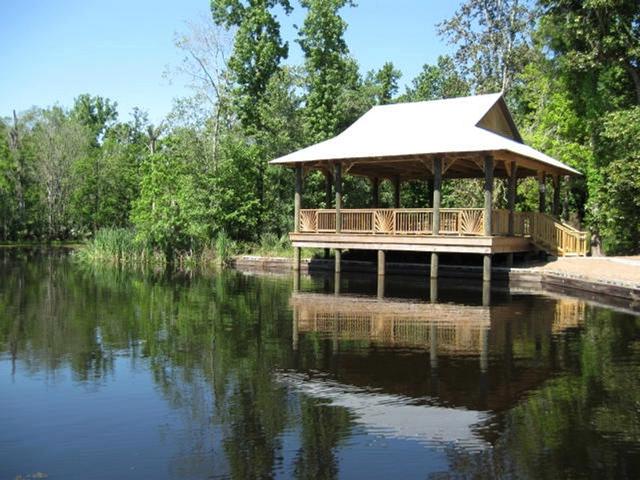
x,y
413,243
460,230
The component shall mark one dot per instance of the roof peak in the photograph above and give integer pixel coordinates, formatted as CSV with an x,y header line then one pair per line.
x,y
496,95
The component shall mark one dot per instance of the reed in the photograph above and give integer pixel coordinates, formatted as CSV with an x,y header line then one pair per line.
x,y
118,246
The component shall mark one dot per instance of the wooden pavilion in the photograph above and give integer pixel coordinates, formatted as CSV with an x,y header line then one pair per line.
x,y
467,137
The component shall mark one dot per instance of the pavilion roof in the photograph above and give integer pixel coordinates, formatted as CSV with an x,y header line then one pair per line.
x,y
399,139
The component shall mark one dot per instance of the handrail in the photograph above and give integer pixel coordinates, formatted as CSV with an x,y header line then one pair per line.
x,y
544,230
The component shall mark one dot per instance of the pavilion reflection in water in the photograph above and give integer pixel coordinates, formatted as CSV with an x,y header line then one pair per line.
x,y
449,329
442,388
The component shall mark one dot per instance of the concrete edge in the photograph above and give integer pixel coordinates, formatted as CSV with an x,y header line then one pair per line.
x,y
547,280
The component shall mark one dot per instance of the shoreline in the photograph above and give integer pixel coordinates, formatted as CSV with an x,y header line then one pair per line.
x,y
623,293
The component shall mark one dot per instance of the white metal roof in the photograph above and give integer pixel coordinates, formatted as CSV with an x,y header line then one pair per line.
x,y
421,128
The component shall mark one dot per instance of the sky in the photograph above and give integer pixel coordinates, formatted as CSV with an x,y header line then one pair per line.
x,y
53,50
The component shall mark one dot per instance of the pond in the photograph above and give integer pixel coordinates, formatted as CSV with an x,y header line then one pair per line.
x,y
109,374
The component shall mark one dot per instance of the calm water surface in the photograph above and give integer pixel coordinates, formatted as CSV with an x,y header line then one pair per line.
x,y
105,374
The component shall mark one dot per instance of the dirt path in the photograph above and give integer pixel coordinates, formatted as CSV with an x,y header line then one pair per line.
x,y
624,270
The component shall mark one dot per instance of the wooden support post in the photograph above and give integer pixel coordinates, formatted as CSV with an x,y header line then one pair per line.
x,y
328,197
380,292
556,196
297,199
381,262
375,192
486,268
437,185
433,290
488,195
565,200
513,187
328,189
434,265
396,192
486,294
296,281
336,283
338,261
296,259
542,190
338,179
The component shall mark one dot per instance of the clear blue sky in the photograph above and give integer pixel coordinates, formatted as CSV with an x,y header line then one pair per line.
x,y
53,50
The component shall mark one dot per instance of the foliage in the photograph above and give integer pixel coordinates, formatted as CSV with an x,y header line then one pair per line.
x,y
330,73
170,215
596,35
436,82
619,222
570,69
257,50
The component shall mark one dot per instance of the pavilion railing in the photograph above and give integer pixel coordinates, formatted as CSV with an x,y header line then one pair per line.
x,y
544,230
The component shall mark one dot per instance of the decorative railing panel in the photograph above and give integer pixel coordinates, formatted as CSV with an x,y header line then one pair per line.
x,y
544,230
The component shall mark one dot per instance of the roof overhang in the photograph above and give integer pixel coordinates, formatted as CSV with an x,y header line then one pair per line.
x,y
401,140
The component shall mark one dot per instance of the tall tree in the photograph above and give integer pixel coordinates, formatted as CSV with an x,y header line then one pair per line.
x,y
206,48
492,39
329,69
594,34
387,80
60,142
257,50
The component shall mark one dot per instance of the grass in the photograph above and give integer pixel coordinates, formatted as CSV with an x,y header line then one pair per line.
x,y
118,246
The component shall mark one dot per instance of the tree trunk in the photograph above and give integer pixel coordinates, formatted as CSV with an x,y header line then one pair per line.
x,y
635,76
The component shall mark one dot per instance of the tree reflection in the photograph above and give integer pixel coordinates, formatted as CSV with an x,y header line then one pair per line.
x,y
563,393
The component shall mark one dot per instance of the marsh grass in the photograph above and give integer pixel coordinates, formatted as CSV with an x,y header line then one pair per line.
x,y
120,247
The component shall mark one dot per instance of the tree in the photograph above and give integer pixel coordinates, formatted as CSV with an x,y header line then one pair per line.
x,y
107,182
206,49
595,35
437,82
619,197
257,51
97,114
329,70
60,141
387,79
170,214
493,39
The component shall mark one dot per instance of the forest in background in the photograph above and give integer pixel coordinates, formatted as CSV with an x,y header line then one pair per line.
x,y
570,72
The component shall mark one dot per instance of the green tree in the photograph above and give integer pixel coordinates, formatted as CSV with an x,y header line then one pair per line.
x,y
596,35
257,51
620,194
60,141
96,113
329,69
387,79
107,182
170,214
436,82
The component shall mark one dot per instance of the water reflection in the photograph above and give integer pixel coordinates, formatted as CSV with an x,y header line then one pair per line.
x,y
112,374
